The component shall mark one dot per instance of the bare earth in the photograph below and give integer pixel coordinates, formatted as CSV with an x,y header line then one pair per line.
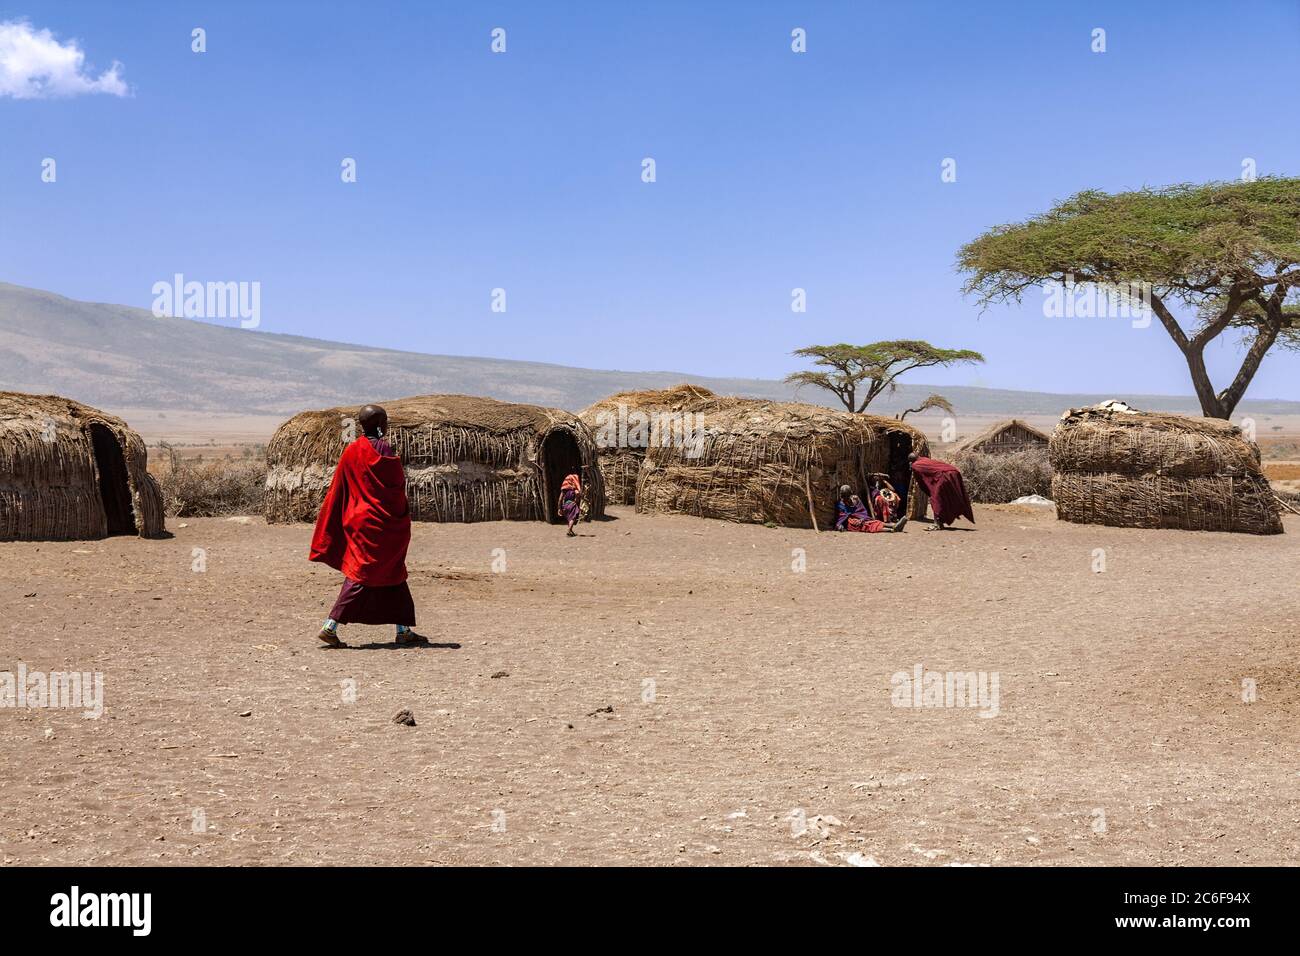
x,y
1122,736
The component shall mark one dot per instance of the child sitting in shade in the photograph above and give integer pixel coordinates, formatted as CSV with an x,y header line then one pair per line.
x,y
885,499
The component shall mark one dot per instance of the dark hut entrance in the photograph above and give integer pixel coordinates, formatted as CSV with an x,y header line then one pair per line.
x,y
560,458
900,469
114,486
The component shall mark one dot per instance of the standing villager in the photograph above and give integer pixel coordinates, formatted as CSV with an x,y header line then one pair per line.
x,y
570,502
364,530
852,515
943,484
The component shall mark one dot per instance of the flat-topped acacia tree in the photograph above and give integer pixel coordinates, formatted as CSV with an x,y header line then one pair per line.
x,y
858,374
1230,251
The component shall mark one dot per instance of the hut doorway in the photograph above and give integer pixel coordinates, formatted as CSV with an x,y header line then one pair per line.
x,y
114,486
900,469
560,458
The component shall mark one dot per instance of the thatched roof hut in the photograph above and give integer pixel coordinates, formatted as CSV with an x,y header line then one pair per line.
x,y
466,459
1117,466
1004,438
755,460
71,472
627,423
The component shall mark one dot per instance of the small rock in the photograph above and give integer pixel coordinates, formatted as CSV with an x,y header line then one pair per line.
x,y
245,713
500,674
404,717
607,709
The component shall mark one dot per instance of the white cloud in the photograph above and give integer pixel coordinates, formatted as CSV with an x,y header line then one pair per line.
x,y
35,66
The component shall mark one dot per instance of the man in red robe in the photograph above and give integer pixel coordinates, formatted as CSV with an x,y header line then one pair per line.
x,y
947,492
363,530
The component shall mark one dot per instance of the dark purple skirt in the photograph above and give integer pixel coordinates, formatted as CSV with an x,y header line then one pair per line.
x,y
358,604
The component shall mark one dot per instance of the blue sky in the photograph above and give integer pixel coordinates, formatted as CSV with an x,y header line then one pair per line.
x,y
522,170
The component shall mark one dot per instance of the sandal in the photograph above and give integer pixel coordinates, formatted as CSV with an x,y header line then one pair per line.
x,y
331,638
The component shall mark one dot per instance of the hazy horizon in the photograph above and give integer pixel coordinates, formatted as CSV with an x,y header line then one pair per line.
x,y
120,356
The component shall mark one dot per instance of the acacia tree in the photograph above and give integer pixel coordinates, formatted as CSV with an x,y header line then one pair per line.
x,y
871,370
1229,251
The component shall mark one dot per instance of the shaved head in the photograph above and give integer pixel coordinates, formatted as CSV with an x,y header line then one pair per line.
x,y
373,420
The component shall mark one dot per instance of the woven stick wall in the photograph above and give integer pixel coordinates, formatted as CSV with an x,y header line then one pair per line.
x,y
779,462
466,458
1146,470
49,479
620,462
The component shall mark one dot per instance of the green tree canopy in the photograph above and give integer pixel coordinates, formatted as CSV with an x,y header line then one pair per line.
x,y
869,370
1230,251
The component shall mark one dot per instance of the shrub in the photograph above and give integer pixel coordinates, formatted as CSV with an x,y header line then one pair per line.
x,y
997,479
196,488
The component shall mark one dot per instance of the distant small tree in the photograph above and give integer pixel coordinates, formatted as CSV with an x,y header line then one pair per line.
x,y
859,374
934,401
1230,251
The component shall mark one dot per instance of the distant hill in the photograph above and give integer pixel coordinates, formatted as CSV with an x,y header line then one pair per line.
x,y
116,356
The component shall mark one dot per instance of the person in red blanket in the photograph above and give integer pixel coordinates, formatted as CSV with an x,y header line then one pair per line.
x,y
852,515
947,492
363,530
885,499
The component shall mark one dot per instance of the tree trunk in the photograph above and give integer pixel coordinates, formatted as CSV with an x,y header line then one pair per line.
x,y
1264,339
1211,405
1223,404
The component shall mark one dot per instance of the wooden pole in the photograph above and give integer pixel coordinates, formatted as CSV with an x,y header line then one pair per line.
x,y
812,512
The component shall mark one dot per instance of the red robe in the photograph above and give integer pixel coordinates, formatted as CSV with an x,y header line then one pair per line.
x,y
364,527
942,482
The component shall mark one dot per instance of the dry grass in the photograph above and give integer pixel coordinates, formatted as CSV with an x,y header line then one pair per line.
x,y
999,479
206,488
1286,472
1278,449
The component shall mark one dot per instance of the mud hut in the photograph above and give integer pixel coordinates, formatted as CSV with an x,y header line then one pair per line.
x,y
1004,438
754,460
71,472
466,459
626,424
1118,466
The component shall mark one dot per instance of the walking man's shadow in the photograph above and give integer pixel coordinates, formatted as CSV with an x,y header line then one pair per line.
x,y
394,646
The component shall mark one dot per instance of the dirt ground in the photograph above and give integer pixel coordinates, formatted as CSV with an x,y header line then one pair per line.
x,y
662,691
